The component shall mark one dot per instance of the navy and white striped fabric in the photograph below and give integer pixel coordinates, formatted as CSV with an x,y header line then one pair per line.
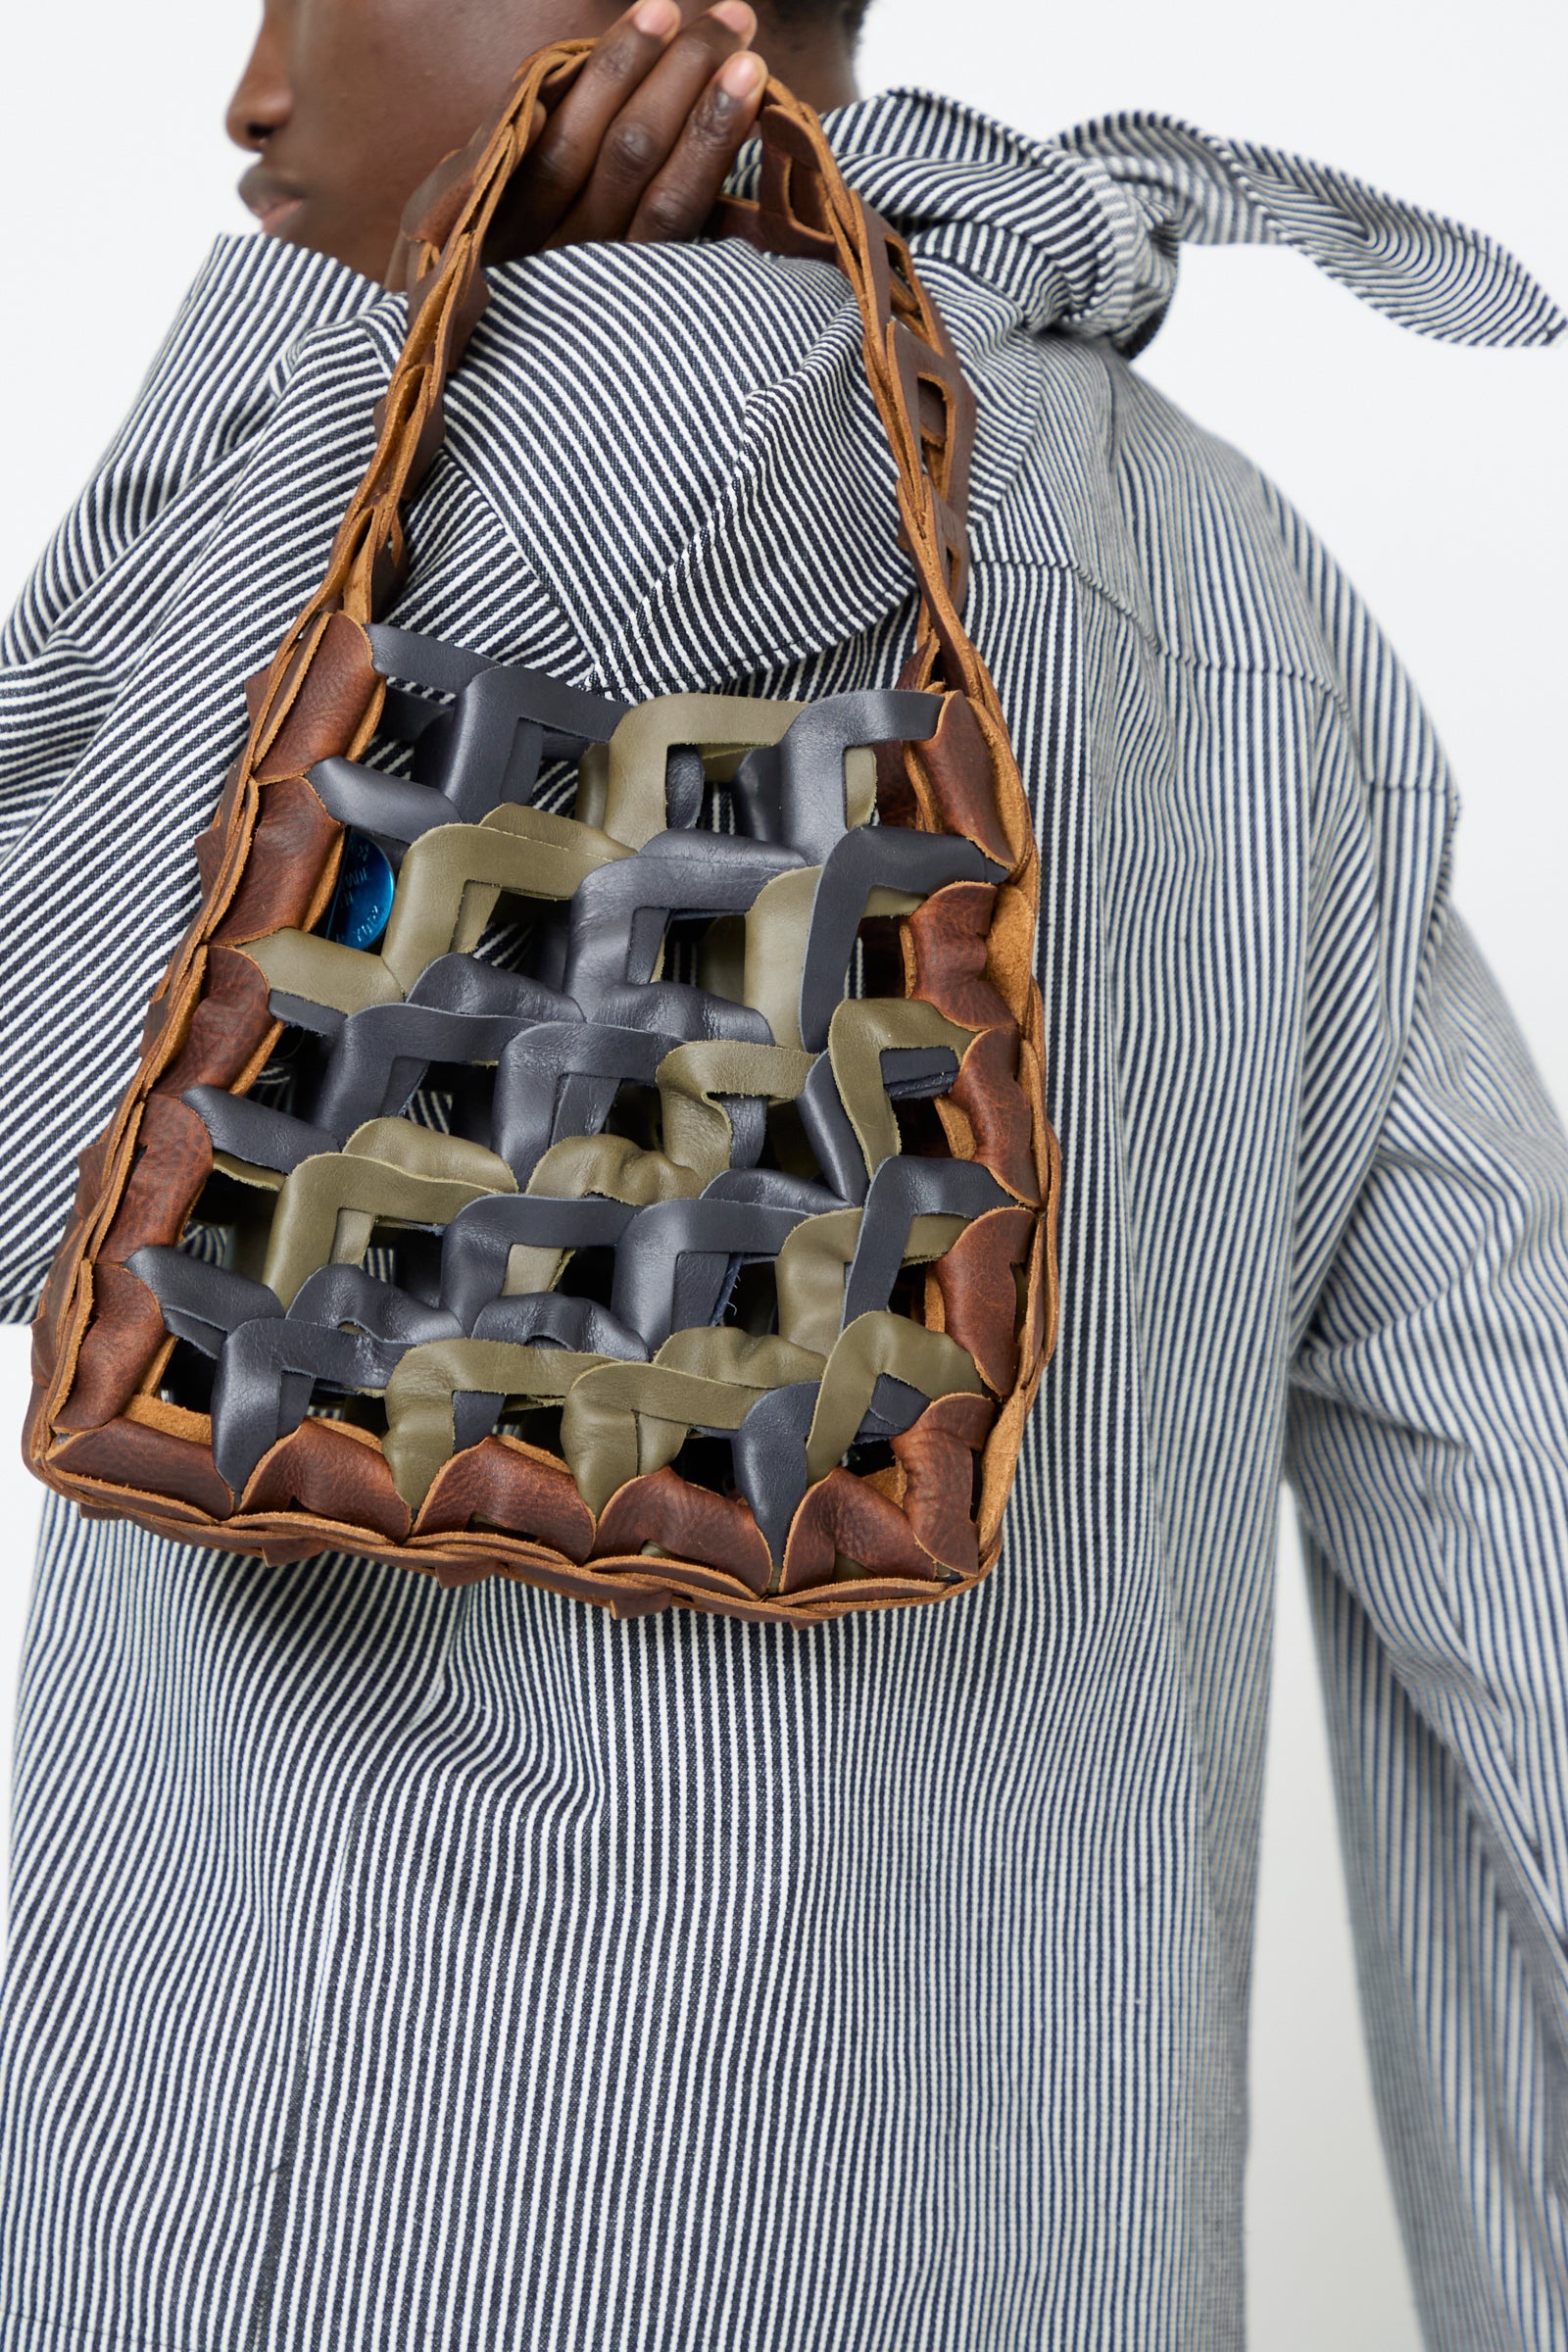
x,y
400,1967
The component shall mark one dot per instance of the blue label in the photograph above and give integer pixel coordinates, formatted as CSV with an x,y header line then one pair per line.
x,y
362,900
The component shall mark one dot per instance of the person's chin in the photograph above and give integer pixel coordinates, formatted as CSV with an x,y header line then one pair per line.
x,y
279,219
307,224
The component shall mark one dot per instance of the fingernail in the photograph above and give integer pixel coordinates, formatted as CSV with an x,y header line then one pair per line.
x,y
742,76
736,17
656,18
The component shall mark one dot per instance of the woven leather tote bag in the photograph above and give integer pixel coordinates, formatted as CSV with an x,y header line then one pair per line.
x,y
693,1240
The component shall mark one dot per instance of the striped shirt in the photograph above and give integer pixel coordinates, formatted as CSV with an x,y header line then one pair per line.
x,y
394,1967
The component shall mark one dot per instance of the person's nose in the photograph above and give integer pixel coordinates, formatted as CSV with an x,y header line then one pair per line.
x,y
263,100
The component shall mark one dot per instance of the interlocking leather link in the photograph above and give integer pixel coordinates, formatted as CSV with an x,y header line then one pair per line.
x,y
694,1241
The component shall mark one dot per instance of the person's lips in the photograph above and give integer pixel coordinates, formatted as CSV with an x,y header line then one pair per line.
x,y
271,199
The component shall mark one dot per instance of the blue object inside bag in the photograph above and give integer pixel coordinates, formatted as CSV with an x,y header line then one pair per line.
x,y
363,899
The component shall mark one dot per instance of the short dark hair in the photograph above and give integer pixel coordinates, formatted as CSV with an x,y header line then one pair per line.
x,y
850,14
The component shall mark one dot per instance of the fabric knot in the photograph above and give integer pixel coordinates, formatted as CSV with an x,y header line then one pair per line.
x,y
1431,274
1082,233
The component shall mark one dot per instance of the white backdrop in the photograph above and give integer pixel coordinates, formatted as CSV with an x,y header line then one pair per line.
x,y
1436,476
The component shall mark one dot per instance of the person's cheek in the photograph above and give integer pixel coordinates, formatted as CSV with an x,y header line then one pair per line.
x,y
362,115
385,88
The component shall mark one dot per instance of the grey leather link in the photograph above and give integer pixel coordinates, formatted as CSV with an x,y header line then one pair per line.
x,y
794,792
875,858
900,1190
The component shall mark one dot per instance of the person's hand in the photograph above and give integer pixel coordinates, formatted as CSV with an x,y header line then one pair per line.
x,y
641,144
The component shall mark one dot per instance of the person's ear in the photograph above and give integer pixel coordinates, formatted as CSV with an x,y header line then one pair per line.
x,y
262,99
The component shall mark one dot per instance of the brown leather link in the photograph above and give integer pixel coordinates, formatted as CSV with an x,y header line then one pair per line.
x,y
98,1430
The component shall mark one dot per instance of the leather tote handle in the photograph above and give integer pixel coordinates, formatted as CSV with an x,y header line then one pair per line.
x,y
804,208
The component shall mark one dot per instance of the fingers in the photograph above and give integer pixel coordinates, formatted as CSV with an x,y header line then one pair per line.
x,y
559,164
665,130
678,199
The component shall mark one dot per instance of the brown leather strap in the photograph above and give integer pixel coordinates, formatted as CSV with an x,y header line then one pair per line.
x,y
804,207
